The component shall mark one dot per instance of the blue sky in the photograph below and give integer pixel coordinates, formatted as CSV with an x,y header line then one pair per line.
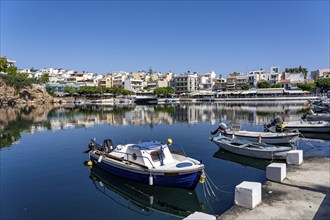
x,y
177,36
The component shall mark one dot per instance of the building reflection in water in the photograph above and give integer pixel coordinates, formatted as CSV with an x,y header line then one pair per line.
x,y
48,117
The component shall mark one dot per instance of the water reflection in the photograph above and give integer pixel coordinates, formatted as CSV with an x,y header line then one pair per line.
x,y
144,199
245,161
15,120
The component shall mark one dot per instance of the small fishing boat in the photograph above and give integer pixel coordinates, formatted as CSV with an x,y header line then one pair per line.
x,y
258,136
149,162
252,149
311,116
302,126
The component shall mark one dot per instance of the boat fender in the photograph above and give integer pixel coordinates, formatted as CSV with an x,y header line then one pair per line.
x,y
259,139
233,136
151,200
202,178
151,180
100,159
90,163
169,142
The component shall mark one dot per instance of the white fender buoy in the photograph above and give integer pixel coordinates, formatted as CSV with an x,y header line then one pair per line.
x,y
151,180
151,200
100,159
101,183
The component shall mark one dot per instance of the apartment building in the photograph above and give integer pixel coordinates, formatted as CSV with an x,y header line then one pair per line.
x,y
185,83
320,73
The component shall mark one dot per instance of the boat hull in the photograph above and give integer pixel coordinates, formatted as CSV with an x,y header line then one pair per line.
x,y
272,153
186,180
278,138
322,127
318,117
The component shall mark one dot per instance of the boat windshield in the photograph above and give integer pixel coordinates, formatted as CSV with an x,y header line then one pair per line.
x,y
148,145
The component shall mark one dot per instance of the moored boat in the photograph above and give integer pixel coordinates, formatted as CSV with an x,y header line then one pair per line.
x,y
149,162
258,136
311,116
252,149
302,126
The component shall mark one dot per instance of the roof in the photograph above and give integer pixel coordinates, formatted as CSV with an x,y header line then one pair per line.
x,y
148,145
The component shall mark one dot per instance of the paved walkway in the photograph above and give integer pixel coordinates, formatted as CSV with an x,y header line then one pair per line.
x,y
304,194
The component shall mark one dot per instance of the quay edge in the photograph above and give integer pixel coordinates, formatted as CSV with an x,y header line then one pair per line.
x,y
304,194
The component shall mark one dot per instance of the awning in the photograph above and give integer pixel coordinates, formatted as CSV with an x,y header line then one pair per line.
x,y
249,92
270,91
296,91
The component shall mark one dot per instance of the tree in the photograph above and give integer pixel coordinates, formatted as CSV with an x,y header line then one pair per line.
x,y
276,86
44,78
307,86
323,84
3,64
70,90
263,84
246,86
166,91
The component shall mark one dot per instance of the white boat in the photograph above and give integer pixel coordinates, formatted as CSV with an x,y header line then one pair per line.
x,y
311,116
258,136
308,126
252,149
279,125
148,162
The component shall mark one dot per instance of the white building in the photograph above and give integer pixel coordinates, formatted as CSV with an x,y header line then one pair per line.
x,y
206,81
185,83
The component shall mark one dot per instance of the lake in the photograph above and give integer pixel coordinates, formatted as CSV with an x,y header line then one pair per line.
x,y
42,161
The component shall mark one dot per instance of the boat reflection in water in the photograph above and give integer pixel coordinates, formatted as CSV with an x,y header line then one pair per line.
x,y
174,201
243,160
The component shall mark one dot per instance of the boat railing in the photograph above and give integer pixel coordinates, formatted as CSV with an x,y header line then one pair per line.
x,y
130,154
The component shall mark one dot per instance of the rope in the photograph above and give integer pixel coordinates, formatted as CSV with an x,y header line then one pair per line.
x,y
307,142
207,177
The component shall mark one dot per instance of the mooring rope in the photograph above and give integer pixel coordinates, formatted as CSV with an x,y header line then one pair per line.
x,y
208,178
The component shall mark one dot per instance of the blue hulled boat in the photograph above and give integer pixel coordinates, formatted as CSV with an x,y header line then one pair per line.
x,y
149,162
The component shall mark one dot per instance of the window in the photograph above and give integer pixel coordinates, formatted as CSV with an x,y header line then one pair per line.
x,y
156,155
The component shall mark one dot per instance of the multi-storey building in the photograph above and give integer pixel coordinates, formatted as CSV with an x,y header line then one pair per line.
x,y
231,81
206,81
220,84
106,81
185,83
320,73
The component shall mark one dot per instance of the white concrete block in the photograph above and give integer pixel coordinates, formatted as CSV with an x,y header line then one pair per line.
x,y
276,172
200,216
294,157
248,194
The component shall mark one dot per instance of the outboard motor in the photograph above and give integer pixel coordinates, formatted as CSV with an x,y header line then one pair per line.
x,y
222,128
108,145
91,146
278,120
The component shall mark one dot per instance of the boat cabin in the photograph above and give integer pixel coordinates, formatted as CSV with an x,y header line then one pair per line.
x,y
150,154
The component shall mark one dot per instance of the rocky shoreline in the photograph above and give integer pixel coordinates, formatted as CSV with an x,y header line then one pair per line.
x,y
34,94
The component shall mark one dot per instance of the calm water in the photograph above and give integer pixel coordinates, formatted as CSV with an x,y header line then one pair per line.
x,y
43,176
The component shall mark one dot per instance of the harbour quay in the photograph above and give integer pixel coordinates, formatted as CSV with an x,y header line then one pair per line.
x,y
303,194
